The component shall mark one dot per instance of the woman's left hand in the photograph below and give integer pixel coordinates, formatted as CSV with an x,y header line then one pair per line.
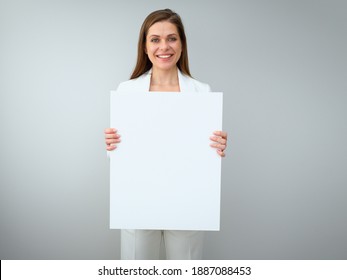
x,y
219,139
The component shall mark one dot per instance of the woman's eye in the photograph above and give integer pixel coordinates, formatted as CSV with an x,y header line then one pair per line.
x,y
155,40
172,39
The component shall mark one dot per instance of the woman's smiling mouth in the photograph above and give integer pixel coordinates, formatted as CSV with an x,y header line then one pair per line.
x,y
164,55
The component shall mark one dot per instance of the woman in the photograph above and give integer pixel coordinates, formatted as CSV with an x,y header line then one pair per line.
x,y
162,65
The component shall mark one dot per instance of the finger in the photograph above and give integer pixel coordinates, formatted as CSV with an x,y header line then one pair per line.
x,y
218,139
112,141
221,153
113,135
110,130
218,146
221,134
111,147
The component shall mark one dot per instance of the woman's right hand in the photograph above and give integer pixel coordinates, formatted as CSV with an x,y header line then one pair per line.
x,y
111,139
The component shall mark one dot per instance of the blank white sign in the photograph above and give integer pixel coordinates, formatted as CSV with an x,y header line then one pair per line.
x,y
164,174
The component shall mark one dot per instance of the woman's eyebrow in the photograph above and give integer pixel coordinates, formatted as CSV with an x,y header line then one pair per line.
x,y
154,35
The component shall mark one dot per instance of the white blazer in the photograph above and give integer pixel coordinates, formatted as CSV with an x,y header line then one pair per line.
x,y
142,84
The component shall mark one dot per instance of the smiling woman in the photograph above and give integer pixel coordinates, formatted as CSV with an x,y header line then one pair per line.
x,y
164,48
152,24
163,45
162,65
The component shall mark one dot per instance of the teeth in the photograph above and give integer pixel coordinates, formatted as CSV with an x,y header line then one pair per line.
x,y
164,56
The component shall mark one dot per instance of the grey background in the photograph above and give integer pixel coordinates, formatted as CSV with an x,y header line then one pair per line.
x,y
282,67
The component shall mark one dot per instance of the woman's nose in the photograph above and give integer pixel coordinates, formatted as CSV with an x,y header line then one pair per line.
x,y
164,45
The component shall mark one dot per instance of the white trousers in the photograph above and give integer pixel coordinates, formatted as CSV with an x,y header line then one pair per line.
x,y
145,244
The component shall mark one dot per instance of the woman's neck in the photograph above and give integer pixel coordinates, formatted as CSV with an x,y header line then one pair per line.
x,y
164,77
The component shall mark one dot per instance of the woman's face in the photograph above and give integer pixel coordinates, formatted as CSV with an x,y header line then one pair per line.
x,y
163,45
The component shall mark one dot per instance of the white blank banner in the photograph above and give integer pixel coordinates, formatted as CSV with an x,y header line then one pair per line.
x,y
164,174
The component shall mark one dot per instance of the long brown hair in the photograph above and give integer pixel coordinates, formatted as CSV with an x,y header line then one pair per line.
x,y
143,63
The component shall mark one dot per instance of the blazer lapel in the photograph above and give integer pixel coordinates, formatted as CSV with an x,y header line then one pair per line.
x,y
185,83
145,82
